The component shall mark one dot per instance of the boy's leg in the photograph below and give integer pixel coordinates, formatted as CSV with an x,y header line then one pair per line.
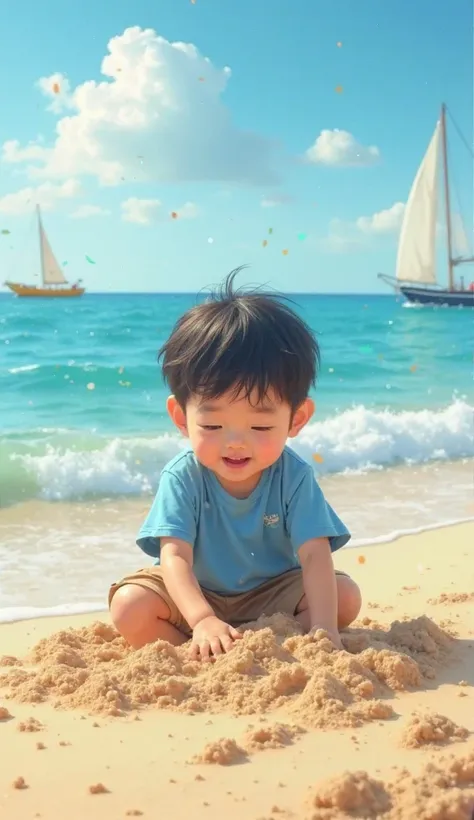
x,y
142,610
349,602
142,616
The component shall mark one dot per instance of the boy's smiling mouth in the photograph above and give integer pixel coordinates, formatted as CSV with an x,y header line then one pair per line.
x,y
235,463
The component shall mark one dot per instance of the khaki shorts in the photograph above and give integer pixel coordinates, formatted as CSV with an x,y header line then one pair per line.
x,y
280,594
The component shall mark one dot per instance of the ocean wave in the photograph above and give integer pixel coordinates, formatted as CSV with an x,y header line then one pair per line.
x,y
61,466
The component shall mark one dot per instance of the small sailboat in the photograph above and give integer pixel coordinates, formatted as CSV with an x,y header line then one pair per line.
x,y
52,276
416,276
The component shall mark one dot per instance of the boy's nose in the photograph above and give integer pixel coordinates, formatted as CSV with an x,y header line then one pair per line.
x,y
234,441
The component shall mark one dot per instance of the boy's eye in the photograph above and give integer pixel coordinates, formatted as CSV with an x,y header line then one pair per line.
x,y
210,426
262,429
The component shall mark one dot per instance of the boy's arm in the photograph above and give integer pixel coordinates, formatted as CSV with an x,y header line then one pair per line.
x,y
319,582
211,636
315,532
176,561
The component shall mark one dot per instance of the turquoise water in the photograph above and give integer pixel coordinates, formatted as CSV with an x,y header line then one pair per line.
x,y
82,407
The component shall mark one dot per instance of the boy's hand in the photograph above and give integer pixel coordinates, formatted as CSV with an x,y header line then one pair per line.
x,y
212,637
334,636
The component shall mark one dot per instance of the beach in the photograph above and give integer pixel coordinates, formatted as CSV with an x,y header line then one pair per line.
x,y
95,730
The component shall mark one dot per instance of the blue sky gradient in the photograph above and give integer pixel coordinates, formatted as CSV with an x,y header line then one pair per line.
x,y
398,61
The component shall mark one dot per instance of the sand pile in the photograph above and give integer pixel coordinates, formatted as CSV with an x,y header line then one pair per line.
x,y
227,751
452,598
431,729
273,666
444,791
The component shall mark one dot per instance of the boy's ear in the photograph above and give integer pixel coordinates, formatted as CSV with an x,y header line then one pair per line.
x,y
177,414
301,417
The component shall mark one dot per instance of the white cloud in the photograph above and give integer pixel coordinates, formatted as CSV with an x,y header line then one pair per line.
x,y
340,148
86,211
188,211
148,211
141,211
343,238
57,88
382,222
275,199
349,237
48,195
12,152
150,119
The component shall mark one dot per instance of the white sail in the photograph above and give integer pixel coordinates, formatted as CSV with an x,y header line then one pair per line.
x,y
52,273
416,260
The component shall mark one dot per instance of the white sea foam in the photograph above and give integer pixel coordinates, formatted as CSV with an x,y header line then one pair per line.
x,y
26,368
357,440
22,613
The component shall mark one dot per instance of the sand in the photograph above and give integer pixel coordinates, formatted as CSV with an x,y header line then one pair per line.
x,y
284,724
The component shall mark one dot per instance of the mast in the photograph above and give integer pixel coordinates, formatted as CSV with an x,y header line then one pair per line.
x,y
446,198
38,215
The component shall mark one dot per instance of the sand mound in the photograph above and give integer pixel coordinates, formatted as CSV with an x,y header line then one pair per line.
x,y
227,750
444,791
94,669
431,729
452,598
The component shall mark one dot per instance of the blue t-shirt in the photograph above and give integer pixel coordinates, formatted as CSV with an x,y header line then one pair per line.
x,y
239,543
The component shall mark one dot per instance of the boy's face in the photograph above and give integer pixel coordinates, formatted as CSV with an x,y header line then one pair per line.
x,y
236,438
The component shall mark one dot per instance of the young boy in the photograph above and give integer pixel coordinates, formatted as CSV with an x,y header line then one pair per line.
x,y
239,524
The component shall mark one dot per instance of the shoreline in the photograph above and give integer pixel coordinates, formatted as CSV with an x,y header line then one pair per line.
x,y
86,609
80,761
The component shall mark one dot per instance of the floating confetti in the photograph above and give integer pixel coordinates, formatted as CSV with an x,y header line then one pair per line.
x,y
318,458
339,44
270,230
301,237
56,88
120,370
125,384
264,243
174,215
64,263
201,79
361,559
339,89
330,370
210,240
91,261
413,368
285,252
91,386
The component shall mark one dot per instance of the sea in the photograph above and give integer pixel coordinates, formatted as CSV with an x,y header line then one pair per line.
x,y
84,432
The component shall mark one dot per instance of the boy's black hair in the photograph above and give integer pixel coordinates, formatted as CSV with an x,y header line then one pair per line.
x,y
243,341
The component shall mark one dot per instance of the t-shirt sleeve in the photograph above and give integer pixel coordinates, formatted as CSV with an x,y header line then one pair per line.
x,y
308,515
173,513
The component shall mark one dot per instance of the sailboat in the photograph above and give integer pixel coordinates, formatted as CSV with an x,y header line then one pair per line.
x,y
52,276
416,276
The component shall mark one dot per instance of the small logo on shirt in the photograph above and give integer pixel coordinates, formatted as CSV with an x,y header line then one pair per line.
x,y
271,520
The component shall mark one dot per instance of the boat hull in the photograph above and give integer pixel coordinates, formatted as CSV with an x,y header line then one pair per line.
x,y
442,298
45,293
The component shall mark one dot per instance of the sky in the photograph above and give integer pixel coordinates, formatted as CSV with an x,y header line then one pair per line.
x,y
170,141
